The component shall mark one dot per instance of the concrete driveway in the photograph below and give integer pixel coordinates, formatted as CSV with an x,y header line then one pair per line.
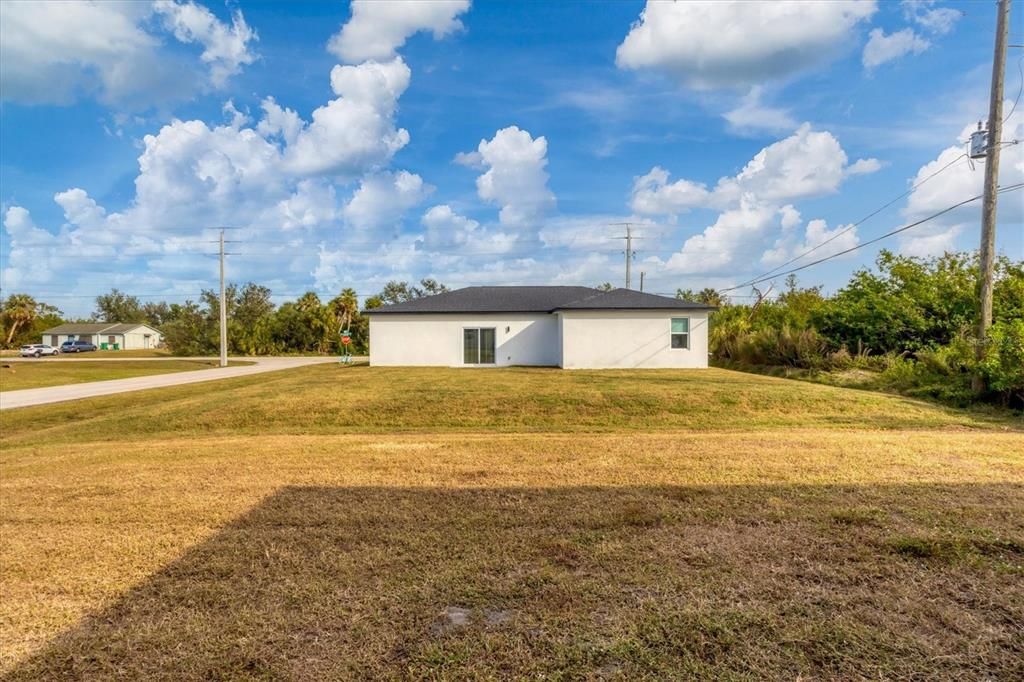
x,y
57,394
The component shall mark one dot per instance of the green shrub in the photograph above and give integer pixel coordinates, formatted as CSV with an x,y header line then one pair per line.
x,y
911,320
1003,366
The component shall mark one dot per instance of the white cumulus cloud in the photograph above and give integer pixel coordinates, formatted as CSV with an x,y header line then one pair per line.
x,y
807,163
355,131
816,236
444,227
515,176
754,203
723,44
279,175
882,48
379,27
752,116
58,52
936,20
954,184
653,194
718,245
225,48
383,198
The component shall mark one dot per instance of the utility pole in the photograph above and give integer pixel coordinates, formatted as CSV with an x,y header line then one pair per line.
x,y
630,253
642,273
223,309
988,211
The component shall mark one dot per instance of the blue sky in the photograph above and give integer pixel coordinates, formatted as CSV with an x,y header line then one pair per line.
x,y
483,143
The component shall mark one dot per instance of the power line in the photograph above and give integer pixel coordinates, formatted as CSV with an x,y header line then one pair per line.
x,y
176,295
770,273
1020,89
944,211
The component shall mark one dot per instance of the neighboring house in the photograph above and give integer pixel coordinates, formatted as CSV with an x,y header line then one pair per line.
x,y
571,327
125,336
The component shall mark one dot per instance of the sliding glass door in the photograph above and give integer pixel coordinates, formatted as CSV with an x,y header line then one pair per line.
x,y
470,346
487,346
478,346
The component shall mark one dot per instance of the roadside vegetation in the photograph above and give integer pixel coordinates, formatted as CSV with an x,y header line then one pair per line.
x,y
907,327
15,376
256,326
380,523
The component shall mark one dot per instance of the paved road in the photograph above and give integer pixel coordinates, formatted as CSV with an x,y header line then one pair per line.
x,y
90,357
56,394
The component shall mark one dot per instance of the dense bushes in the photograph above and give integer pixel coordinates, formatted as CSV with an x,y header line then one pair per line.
x,y
911,324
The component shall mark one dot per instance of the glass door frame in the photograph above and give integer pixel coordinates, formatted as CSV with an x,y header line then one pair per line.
x,y
480,346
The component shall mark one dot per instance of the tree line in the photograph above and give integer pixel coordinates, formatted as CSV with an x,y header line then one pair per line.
x,y
909,323
256,325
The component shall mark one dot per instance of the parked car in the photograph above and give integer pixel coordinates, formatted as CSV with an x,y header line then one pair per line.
x,y
38,350
76,346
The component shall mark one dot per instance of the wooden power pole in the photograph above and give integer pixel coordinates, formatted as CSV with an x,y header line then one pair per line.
x,y
630,253
988,211
223,310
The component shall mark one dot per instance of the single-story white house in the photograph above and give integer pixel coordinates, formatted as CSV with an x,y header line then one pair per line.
x,y
129,336
555,326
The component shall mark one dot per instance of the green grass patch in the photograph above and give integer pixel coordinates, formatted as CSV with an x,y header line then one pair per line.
x,y
15,376
953,549
331,399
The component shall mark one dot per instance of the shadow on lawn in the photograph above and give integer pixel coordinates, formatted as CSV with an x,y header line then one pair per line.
x,y
750,581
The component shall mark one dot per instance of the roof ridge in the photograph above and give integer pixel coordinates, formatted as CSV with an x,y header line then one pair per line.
x,y
597,293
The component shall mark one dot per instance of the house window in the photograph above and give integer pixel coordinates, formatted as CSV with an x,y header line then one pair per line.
x,y
681,332
478,346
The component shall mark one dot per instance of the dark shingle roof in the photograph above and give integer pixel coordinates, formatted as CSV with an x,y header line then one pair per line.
x,y
535,300
94,328
124,328
627,299
490,300
79,328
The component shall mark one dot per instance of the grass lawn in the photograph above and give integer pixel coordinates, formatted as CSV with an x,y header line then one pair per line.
x,y
58,372
141,353
365,523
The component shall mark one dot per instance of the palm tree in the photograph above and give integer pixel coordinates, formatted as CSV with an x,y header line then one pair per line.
x,y
21,310
318,317
344,306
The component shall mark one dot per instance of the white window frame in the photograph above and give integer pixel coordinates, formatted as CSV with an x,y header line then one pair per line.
x,y
479,338
672,333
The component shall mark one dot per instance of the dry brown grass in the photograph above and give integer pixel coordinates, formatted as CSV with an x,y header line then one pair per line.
x,y
365,523
748,554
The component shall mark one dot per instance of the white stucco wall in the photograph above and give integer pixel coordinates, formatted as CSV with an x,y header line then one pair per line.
x,y
137,340
130,341
92,338
436,340
630,339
